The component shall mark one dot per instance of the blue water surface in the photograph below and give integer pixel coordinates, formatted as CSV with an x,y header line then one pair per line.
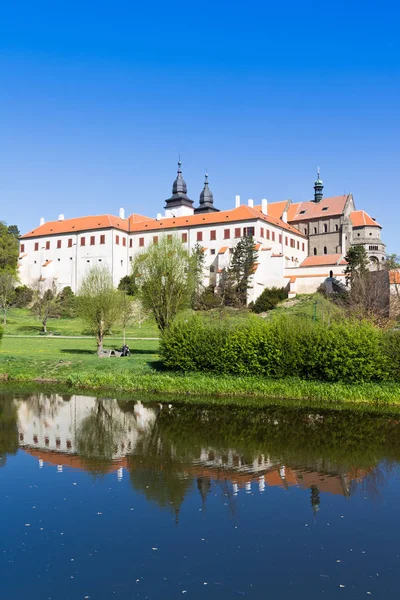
x,y
229,515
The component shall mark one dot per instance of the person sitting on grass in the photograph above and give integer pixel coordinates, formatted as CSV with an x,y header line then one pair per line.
x,y
125,350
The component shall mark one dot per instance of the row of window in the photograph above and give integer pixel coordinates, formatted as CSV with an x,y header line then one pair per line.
x,y
238,232
315,229
92,242
316,251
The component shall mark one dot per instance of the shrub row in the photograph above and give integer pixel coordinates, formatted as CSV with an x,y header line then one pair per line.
x,y
285,346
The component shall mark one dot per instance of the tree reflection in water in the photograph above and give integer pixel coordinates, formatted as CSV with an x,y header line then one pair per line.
x,y
97,436
8,430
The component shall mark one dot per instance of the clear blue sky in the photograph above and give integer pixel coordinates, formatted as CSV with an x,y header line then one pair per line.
x,y
97,99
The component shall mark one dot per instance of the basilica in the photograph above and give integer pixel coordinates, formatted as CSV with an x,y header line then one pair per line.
x,y
299,245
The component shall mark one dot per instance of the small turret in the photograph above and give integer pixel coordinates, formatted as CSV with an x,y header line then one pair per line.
x,y
318,187
179,204
206,199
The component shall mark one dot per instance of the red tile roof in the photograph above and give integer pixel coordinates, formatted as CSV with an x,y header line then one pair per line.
x,y
223,250
325,259
328,207
359,218
275,209
241,213
139,223
394,277
78,225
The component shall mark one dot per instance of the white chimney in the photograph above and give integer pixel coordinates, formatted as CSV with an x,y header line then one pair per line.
x,y
159,216
237,201
61,217
250,202
121,213
284,216
41,220
264,206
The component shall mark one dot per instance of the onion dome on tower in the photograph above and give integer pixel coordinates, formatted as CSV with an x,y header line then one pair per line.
x,y
179,203
206,200
318,187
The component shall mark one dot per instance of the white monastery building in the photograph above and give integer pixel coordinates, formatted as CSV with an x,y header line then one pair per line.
x,y
299,245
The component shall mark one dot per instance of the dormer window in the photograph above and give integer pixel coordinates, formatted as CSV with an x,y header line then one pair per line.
x,y
302,212
325,208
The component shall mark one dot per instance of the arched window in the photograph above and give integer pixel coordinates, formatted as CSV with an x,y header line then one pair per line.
x,y
315,252
315,230
325,250
325,228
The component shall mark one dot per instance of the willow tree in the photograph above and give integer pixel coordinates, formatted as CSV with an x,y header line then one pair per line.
x,y
166,275
99,303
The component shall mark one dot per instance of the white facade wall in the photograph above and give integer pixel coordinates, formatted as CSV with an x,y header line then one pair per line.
x,y
308,279
69,263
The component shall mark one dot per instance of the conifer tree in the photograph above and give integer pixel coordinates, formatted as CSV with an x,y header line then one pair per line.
x,y
241,268
357,264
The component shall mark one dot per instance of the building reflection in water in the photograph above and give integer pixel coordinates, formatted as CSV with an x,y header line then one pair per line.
x,y
166,450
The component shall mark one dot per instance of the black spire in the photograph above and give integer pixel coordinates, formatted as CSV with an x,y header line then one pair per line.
x,y
318,187
206,199
179,192
179,185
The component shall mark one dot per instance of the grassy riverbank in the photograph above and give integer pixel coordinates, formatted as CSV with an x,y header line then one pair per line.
x,y
72,362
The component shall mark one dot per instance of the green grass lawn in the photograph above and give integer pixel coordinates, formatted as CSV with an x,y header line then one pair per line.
x,y
54,357
74,363
21,322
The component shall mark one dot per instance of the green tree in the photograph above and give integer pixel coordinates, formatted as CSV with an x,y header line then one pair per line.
x,y
67,303
23,296
198,263
357,264
241,269
166,275
128,285
45,302
392,262
99,303
13,230
7,292
9,248
269,299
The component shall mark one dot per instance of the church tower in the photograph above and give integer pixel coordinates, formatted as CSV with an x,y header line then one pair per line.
x,y
206,200
318,187
179,205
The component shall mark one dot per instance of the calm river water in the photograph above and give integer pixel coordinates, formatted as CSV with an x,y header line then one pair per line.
x,y
106,499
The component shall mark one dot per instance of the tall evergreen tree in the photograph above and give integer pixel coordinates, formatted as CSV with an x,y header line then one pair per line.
x,y
197,263
357,264
241,268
